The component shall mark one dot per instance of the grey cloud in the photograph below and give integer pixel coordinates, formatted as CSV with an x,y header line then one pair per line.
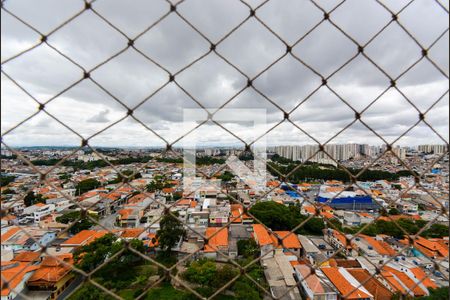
x,y
100,117
172,43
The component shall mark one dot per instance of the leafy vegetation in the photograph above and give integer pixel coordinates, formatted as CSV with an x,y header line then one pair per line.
x,y
90,165
207,273
166,292
394,211
86,185
410,226
170,232
127,173
83,222
204,160
437,294
248,248
89,292
8,191
280,217
13,156
31,198
5,180
328,172
226,176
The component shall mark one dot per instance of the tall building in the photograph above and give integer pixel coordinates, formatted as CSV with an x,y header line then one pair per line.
x,y
338,152
436,149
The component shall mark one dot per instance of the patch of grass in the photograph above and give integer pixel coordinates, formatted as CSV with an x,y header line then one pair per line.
x,y
166,292
126,294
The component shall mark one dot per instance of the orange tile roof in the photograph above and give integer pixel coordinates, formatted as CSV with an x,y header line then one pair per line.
x,y
343,240
132,232
236,211
334,189
327,215
272,183
150,242
381,247
393,282
84,237
39,204
14,275
235,216
9,218
422,276
364,214
290,241
312,280
261,235
27,256
310,209
184,202
294,263
113,196
125,213
89,194
407,281
371,284
432,246
342,284
51,270
137,198
327,208
218,240
125,189
42,190
168,190
12,231
333,182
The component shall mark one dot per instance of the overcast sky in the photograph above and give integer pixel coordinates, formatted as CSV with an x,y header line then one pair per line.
x,y
130,77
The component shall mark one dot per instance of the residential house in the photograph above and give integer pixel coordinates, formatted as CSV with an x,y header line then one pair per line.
x,y
348,287
290,242
371,283
83,237
314,285
52,275
217,240
13,238
15,273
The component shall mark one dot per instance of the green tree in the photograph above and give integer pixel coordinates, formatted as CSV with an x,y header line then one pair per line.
x,y
244,291
89,292
280,217
64,176
170,232
90,256
248,248
31,198
274,215
87,185
5,180
155,185
8,192
436,231
394,211
437,294
128,174
81,223
226,176
206,273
